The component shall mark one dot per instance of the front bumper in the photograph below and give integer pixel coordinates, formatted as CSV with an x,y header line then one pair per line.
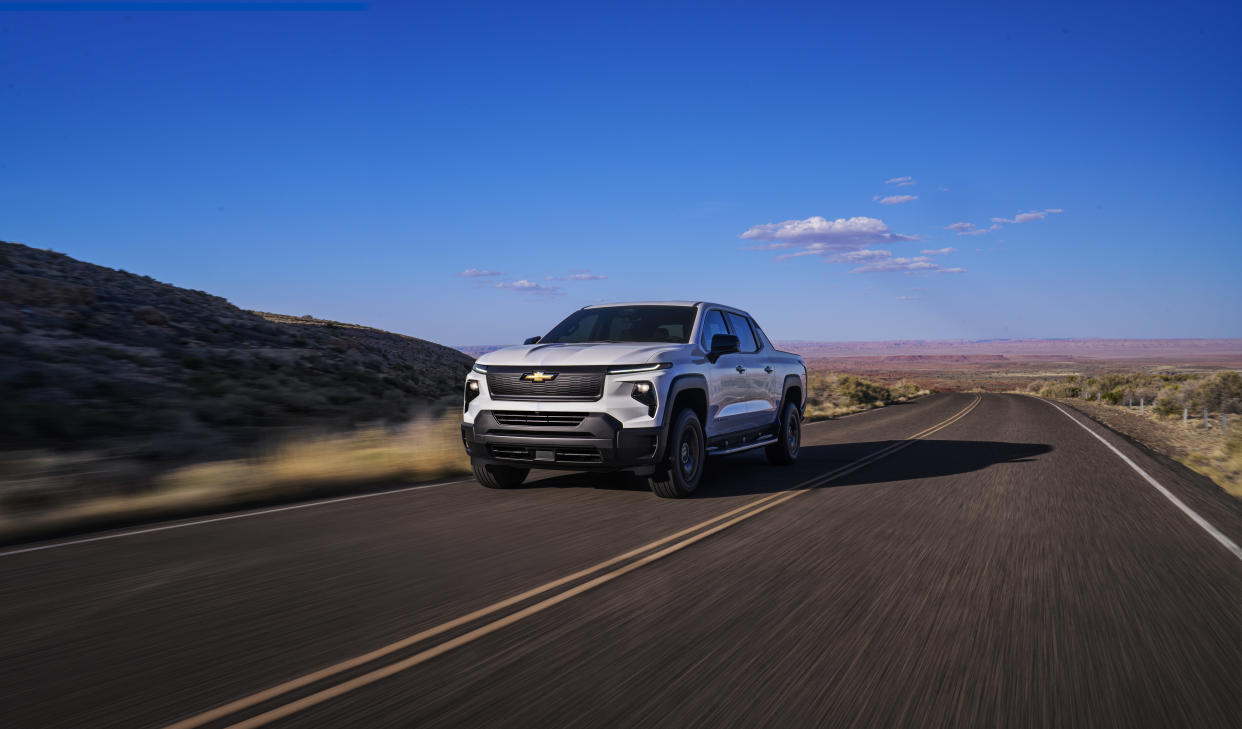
x,y
597,443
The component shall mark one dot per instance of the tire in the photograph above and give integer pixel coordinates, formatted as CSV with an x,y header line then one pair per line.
x,y
788,437
679,475
498,477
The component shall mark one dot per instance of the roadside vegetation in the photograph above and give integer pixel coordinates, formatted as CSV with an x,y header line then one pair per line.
x,y
1166,412
124,396
45,490
1169,394
831,394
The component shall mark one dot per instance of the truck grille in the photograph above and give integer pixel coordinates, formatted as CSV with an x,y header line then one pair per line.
x,y
561,455
570,383
565,420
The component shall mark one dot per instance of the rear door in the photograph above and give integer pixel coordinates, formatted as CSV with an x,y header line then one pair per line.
x,y
772,368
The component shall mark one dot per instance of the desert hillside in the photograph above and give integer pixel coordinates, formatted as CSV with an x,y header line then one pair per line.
x,y
90,355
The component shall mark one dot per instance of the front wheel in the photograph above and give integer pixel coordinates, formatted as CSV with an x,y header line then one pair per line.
x,y
679,475
788,437
498,477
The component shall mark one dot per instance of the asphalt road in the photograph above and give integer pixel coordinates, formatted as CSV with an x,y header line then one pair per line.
x,y
959,561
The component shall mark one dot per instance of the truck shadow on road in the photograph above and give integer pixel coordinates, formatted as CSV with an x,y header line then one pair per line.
x,y
750,473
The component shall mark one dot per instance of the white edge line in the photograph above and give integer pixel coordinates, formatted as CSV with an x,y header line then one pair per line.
x,y
1207,527
227,517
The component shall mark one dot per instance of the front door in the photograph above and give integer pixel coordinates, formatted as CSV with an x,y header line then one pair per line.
x,y
750,382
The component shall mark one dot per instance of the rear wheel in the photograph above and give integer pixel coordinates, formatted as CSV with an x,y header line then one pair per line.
x,y
788,437
679,475
498,477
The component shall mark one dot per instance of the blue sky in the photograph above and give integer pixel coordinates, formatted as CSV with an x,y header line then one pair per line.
x,y
353,163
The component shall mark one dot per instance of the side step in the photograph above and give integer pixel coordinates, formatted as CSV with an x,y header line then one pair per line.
x,y
717,451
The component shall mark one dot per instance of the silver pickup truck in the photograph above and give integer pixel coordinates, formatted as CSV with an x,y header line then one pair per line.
x,y
648,388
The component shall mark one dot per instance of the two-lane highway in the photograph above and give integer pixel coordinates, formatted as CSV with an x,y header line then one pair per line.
x,y
959,561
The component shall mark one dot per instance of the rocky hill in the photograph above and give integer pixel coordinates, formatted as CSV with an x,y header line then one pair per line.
x,y
90,355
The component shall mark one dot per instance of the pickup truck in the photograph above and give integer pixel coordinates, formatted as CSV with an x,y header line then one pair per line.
x,y
649,389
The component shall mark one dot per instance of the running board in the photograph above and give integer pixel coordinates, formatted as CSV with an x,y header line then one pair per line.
x,y
769,440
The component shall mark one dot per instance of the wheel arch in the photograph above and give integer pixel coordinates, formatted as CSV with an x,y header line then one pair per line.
x,y
792,391
688,390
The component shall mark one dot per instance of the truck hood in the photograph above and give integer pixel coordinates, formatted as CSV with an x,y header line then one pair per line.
x,y
562,355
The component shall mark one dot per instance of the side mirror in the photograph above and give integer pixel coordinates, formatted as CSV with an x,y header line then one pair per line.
x,y
531,340
722,344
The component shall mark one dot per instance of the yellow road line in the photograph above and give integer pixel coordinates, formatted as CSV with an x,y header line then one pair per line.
x,y
751,509
334,669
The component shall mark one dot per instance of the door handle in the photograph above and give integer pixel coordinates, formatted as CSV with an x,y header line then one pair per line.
x,y
768,369
741,368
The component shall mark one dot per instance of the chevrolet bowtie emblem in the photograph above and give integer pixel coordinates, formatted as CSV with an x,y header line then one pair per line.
x,y
539,376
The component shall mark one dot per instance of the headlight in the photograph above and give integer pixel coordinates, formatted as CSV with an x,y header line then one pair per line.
x,y
631,369
482,370
645,393
472,391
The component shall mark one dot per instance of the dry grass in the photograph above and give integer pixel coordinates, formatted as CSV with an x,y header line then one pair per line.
x,y
831,395
422,450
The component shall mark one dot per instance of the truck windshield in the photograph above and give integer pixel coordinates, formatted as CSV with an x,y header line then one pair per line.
x,y
625,324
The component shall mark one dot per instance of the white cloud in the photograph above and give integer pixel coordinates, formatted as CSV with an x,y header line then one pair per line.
x,y
900,181
980,231
959,226
938,251
580,276
528,287
895,199
915,264
820,236
476,272
769,246
863,256
1029,216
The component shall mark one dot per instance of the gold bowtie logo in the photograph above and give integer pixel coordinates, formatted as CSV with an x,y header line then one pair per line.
x,y
538,376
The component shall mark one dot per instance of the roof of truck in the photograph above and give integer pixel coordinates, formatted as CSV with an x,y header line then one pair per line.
x,y
662,303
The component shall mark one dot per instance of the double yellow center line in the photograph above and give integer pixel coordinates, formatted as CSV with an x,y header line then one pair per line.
x,y
645,555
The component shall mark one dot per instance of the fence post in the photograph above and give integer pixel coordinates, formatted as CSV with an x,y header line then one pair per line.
x,y
1205,422
1185,415
1142,403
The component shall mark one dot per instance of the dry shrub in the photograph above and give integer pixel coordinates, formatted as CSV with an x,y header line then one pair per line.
x,y
421,450
831,395
43,491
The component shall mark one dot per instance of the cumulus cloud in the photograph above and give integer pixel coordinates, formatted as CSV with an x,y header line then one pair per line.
x,y
959,226
938,251
528,287
820,236
900,181
895,199
477,272
580,276
1028,216
915,264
